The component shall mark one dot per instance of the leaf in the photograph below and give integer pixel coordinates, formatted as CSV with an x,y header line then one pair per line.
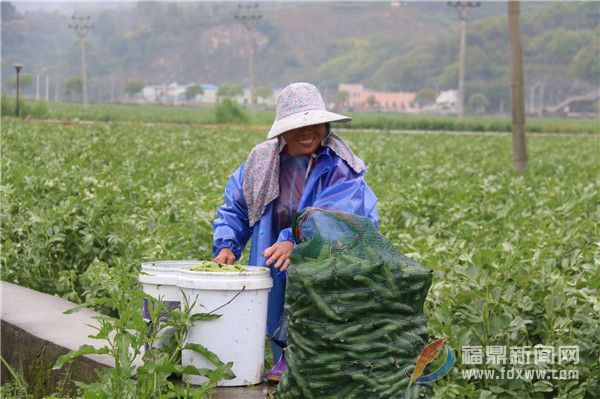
x,y
519,322
81,351
18,377
542,386
472,271
192,370
168,368
508,247
204,316
228,374
483,394
123,342
496,389
88,304
208,355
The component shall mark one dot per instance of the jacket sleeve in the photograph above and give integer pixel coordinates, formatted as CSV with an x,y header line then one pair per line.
x,y
348,192
286,235
231,229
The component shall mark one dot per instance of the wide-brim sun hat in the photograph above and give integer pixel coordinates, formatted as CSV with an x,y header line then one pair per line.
x,y
299,105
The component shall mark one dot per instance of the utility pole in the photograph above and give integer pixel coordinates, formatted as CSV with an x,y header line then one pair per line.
x,y
461,9
112,89
81,26
18,68
541,110
532,100
37,87
249,18
516,85
47,97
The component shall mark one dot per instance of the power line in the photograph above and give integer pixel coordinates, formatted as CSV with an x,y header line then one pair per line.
x,y
249,16
81,26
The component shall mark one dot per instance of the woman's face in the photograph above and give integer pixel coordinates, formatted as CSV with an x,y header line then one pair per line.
x,y
304,140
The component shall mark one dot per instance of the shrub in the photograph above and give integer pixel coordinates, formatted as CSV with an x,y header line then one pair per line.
x,y
36,109
230,112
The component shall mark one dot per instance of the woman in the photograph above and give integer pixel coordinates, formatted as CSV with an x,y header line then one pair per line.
x,y
303,163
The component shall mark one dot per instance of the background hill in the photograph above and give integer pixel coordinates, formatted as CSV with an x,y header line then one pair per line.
x,y
403,47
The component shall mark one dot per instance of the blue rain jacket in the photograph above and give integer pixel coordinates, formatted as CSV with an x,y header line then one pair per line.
x,y
331,184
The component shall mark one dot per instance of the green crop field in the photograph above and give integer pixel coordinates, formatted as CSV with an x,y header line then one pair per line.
x,y
516,258
360,120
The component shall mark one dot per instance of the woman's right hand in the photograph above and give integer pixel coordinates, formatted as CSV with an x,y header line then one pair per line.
x,y
225,256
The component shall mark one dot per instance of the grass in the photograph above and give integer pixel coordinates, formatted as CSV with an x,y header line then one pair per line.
x,y
470,123
361,121
39,382
142,113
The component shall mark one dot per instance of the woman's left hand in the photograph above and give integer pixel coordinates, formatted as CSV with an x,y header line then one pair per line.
x,y
280,254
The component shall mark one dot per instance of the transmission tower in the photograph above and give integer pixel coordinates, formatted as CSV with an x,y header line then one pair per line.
x,y
249,16
81,26
461,8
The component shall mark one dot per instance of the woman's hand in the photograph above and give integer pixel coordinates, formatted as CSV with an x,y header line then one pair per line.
x,y
280,254
225,256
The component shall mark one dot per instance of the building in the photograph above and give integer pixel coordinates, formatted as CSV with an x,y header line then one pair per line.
x,y
447,101
152,94
209,95
175,94
269,102
361,99
164,94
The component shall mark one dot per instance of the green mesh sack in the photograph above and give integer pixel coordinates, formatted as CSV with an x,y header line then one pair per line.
x,y
356,311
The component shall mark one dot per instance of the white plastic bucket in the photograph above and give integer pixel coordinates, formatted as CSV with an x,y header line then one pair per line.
x,y
159,279
238,336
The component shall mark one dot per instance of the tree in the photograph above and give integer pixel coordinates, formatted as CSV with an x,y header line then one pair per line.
x,y
192,91
478,103
25,81
8,11
133,87
426,96
585,64
343,97
229,90
372,102
448,79
264,92
74,85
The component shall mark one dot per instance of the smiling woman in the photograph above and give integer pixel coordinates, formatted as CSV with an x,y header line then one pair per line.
x,y
305,140
303,164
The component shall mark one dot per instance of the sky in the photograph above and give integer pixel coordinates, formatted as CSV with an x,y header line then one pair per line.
x,y
68,6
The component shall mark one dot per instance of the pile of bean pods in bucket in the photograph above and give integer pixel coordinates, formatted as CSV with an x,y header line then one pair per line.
x,y
356,312
216,267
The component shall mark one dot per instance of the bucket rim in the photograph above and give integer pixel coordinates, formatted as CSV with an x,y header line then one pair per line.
x,y
169,264
258,271
259,278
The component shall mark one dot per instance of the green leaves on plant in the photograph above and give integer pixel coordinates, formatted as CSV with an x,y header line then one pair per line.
x,y
83,350
516,258
125,336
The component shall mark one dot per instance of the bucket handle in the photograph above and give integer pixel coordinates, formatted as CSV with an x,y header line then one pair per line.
x,y
229,301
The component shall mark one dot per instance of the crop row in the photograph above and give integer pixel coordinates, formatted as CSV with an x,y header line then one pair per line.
x,y
515,258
